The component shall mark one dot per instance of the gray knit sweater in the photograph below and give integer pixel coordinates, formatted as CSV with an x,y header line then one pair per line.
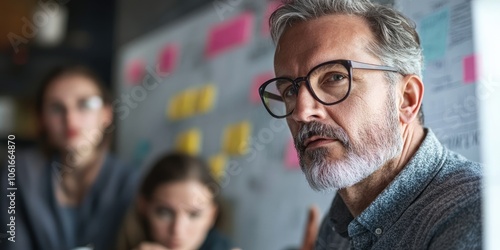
x,y
434,203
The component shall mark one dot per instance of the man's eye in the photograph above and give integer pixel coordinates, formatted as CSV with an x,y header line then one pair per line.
x,y
289,92
334,79
337,77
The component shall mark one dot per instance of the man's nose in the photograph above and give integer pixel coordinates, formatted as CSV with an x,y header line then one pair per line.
x,y
307,108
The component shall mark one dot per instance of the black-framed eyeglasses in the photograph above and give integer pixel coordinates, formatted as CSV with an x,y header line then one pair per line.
x,y
329,83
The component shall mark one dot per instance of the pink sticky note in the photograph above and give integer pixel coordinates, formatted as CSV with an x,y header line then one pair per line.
x,y
135,71
291,158
469,69
257,81
229,34
167,59
271,7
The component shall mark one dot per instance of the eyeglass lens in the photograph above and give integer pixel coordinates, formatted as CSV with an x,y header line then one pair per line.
x,y
329,83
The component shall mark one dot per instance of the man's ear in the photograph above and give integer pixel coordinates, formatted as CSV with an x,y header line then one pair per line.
x,y
412,90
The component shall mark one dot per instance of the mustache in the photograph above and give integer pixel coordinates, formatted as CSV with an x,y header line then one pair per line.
x,y
315,128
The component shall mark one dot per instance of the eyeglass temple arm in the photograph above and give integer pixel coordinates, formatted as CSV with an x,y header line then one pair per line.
x,y
359,65
273,96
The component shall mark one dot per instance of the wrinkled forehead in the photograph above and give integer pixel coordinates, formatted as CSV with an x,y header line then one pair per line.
x,y
305,44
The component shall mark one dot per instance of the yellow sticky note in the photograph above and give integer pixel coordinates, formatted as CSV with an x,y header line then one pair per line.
x,y
189,142
241,137
226,141
236,138
218,165
206,99
188,103
173,108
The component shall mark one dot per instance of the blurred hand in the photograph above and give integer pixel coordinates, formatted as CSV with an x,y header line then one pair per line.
x,y
311,230
150,246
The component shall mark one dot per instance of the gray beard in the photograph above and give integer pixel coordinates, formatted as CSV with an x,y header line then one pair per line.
x,y
381,143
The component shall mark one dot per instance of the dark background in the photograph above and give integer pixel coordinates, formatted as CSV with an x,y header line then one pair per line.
x,y
94,31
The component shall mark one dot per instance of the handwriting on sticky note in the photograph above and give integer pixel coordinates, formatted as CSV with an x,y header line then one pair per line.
x,y
229,34
291,158
257,81
135,71
469,69
434,32
167,59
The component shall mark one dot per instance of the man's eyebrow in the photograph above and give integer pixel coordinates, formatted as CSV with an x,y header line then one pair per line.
x,y
280,82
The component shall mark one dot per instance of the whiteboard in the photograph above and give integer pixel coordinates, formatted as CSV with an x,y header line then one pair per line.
x,y
450,102
267,201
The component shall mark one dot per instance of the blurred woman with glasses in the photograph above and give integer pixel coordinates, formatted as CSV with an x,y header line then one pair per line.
x,y
71,193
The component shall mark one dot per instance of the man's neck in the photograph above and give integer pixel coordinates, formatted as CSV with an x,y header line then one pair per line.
x,y
359,196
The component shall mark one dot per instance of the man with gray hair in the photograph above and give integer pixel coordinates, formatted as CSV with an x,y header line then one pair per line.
x,y
348,82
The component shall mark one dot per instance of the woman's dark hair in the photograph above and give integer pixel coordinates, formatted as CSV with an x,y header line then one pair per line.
x,y
70,70
178,167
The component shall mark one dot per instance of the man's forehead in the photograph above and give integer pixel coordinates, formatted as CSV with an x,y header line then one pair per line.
x,y
327,38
